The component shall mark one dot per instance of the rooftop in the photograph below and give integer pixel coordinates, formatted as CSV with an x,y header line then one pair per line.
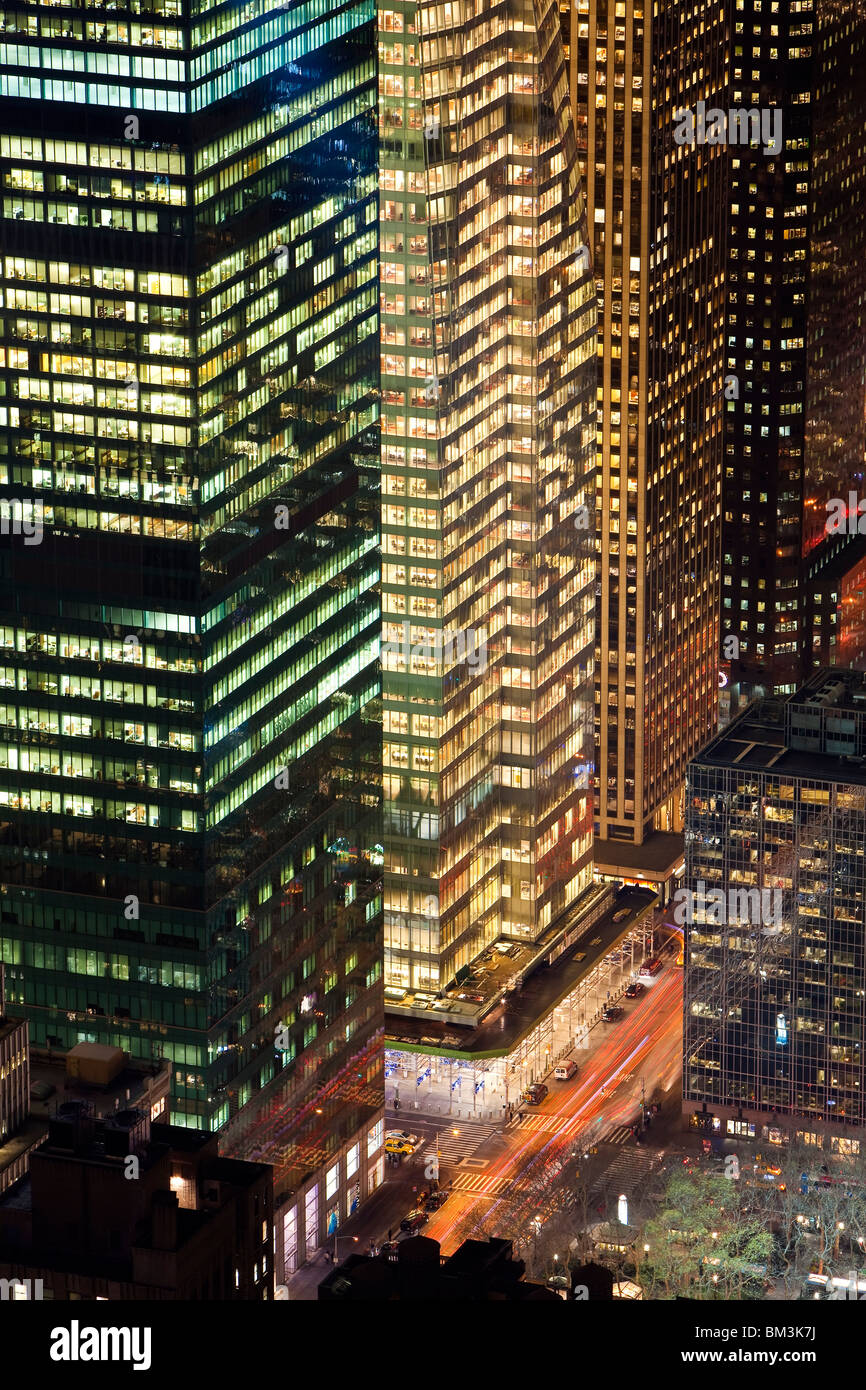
x,y
136,1085
657,858
9,1025
518,1012
818,733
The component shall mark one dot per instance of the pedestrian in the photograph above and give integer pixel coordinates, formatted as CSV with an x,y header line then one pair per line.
x,y
396,1102
390,1232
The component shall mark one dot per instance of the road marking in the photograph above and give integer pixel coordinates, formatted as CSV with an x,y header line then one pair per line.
x,y
455,1147
480,1185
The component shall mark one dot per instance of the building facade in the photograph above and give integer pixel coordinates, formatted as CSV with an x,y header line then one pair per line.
x,y
796,350
488,371
14,1075
176,1221
189,789
775,951
656,212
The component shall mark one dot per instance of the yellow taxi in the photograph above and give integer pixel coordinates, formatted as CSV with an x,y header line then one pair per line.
x,y
400,1143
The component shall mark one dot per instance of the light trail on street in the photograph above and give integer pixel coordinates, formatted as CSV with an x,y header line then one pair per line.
x,y
645,1042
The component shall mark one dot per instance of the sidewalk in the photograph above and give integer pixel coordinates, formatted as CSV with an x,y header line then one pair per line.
x,y
383,1209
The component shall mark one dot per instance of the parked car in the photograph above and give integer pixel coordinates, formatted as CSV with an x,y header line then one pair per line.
x,y
611,1014
401,1143
414,1221
566,1070
436,1199
635,990
535,1094
650,968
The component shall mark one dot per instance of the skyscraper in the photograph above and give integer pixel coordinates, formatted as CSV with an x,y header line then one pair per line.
x,y
656,209
488,371
796,347
775,952
189,789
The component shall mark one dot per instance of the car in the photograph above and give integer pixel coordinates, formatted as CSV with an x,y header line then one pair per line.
x,y
566,1070
596,941
436,1199
471,998
414,1221
770,1171
389,1248
535,1094
401,1144
401,1134
622,914
650,968
635,990
611,1014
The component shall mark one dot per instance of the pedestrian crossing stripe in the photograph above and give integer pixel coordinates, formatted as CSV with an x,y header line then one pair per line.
x,y
630,1169
480,1185
544,1124
617,1136
458,1146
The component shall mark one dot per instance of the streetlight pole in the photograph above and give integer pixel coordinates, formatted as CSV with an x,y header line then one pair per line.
x,y
336,1240
455,1132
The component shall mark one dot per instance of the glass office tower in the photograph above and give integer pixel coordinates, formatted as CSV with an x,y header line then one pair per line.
x,y
488,375
796,431
775,954
189,798
657,212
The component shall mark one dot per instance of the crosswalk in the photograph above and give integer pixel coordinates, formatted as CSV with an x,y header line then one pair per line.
x,y
482,1186
628,1171
453,1148
539,1124
621,1134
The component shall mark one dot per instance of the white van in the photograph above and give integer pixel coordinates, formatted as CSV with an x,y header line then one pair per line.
x,y
565,1071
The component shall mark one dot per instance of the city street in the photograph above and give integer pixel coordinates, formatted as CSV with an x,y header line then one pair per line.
x,y
487,1166
597,1106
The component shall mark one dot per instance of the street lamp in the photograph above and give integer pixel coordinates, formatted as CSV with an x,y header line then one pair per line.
x,y
339,1238
455,1132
